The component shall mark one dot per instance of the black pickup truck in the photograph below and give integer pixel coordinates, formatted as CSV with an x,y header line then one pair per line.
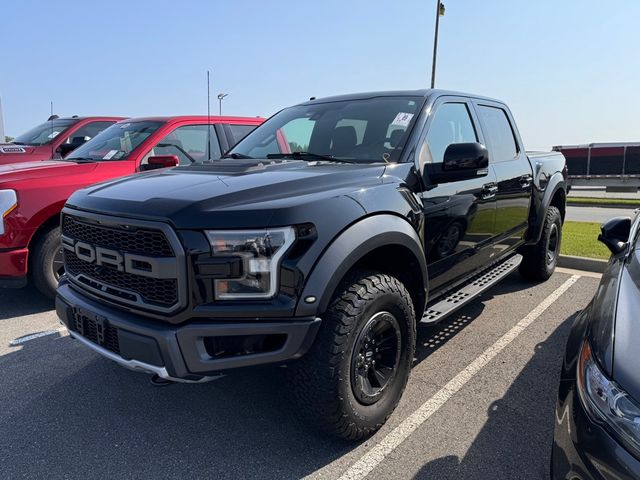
x,y
320,242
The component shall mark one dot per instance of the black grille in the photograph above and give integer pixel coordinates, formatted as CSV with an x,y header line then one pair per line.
x,y
160,291
97,331
125,286
141,241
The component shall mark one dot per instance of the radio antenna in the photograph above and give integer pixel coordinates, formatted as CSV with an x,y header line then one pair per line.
x,y
208,118
51,136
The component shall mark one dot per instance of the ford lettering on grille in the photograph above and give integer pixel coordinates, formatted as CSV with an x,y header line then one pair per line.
x,y
129,264
122,261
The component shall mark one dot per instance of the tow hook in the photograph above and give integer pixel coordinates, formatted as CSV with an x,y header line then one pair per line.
x,y
158,381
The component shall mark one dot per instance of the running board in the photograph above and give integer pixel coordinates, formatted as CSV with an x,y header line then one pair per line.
x,y
469,290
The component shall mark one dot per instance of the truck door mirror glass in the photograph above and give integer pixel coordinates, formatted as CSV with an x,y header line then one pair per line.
x,y
465,156
160,161
615,234
461,161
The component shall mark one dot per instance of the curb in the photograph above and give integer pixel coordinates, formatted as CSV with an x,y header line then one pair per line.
x,y
604,205
582,263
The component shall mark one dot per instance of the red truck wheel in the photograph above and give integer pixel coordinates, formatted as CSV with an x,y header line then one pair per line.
x,y
47,262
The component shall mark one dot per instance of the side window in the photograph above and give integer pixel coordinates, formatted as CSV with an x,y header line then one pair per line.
x,y
238,132
189,143
451,124
88,131
500,139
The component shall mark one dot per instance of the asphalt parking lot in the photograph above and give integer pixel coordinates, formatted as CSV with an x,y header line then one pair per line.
x,y
479,403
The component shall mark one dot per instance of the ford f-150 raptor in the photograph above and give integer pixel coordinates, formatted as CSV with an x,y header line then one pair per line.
x,y
32,194
320,241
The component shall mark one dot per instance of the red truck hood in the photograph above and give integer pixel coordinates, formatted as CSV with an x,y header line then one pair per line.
x,y
42,169
11,153
13,149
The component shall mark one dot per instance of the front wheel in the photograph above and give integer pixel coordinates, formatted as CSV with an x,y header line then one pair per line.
x,y
47,265
355,373
539,260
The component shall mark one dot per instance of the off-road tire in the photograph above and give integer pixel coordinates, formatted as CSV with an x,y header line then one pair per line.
x,y
322,379
41,262
536,265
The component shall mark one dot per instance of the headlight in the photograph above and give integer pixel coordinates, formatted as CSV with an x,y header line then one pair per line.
x,y
607,402
260,251
8,202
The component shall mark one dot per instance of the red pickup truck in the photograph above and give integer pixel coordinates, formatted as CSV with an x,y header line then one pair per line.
x,y
54,138
32,194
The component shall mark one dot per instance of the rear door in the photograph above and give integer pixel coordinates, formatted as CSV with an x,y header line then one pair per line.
x,y
512,170
459,216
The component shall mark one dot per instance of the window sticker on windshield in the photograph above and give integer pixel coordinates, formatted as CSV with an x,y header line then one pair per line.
x,y
53,134
402,119
110,154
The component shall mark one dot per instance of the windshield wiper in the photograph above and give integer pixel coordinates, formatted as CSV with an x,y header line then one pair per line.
x,y
79,159
236,156
309,156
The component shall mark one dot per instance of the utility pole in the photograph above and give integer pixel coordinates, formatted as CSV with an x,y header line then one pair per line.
x,y
439,13
220,98
1,124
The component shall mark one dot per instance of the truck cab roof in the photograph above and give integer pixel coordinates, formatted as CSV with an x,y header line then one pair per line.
x,y
199,118
425,93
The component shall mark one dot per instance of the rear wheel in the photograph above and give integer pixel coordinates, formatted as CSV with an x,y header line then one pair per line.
x,y
355,373
47,262
540,260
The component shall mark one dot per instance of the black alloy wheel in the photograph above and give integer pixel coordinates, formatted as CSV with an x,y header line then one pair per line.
x,y
375,357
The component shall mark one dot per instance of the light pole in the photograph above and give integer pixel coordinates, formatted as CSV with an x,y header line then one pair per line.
x,y
220,98
439,13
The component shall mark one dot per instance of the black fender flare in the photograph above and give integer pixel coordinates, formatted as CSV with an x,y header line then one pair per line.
x,y
556,182
348,248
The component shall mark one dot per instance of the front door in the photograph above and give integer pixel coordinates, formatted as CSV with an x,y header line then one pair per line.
x,y
459,216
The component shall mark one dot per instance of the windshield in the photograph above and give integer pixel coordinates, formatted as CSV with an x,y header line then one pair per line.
x,y
115,142
44,133
363,131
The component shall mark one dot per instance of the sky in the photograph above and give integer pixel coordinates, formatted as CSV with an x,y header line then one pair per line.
x,y
568,69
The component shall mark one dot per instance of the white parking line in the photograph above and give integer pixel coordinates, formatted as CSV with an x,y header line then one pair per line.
x,y
33,336
389,443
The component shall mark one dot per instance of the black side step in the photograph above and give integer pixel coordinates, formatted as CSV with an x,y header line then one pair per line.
x,y
456,299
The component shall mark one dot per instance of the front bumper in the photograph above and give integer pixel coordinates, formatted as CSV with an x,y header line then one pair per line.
x,y
177,353
13,267
583,449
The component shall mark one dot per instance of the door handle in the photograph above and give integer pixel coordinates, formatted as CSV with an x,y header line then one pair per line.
x,y
489,190
525,181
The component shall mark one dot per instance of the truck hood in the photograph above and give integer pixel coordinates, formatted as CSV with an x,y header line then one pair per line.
x,y
13,149
627,328
41,169
10,153
232,194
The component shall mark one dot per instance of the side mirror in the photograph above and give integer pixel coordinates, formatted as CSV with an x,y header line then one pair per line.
x,y
160,161
615,234
461,161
